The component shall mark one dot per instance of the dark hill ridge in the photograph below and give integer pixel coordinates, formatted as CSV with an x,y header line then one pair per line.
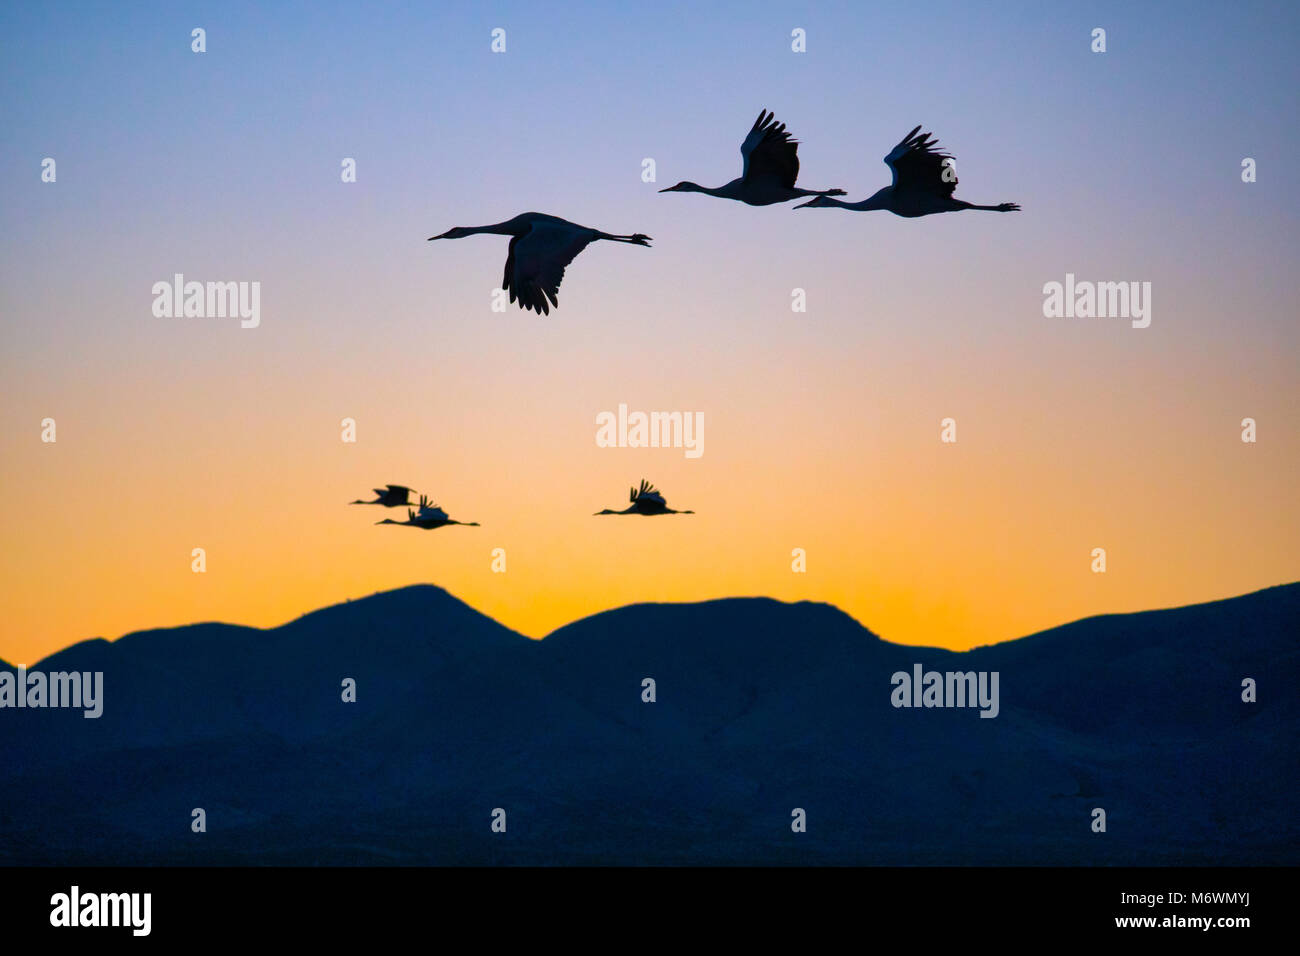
x,y
213,680
1120,670
761,706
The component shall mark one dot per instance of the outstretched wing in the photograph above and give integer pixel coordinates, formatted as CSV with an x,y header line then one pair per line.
x,y
536,262
428,510
769,151
649,494
920,167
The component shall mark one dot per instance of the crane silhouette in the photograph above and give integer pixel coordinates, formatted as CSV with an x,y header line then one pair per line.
x,y
541,247
429,516
646,501
771,167
924,181
390,496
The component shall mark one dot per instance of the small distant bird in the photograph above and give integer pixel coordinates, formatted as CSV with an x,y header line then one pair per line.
x,y
390,496
771,167
541,247
429,516
646,501
924,181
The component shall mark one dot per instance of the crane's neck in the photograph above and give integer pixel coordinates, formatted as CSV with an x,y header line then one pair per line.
x,y
731,190
510,227
878,201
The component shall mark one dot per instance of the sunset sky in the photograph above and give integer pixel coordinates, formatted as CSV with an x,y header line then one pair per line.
x,y
822,428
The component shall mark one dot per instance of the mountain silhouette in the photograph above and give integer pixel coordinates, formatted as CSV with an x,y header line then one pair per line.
x,y
761,707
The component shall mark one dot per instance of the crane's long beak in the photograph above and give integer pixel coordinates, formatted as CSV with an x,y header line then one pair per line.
x,y
805,205
439,236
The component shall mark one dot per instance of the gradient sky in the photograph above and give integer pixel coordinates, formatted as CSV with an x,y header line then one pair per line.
x,y
821,428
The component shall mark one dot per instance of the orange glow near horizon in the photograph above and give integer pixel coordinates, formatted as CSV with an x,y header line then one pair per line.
x,y
955,545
